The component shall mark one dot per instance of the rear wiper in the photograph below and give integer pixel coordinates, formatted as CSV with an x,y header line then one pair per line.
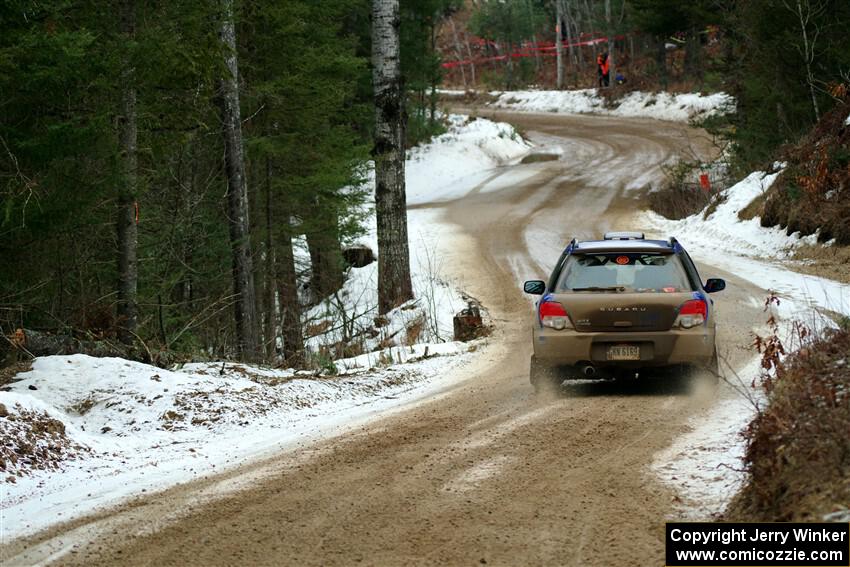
x,y
597,288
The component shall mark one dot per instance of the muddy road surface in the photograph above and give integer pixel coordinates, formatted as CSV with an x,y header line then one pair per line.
x,y
485,473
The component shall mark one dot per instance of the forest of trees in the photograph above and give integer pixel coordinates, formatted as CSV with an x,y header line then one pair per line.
x,y
163,163
158,157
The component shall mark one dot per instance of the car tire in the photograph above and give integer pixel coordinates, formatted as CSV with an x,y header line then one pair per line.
x,y
543,377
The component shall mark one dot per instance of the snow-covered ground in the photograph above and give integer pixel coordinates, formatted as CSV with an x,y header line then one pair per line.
x,y
751,251
636,104
130,427
704,466
84,432
453,164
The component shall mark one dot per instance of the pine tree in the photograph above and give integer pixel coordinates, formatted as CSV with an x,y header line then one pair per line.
x,y
128,238
237,190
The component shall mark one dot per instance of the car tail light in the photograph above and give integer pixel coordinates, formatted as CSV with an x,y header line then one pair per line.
x,y
692,313
553,315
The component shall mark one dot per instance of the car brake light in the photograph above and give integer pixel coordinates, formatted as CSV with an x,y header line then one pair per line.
x,y
692,313
553,315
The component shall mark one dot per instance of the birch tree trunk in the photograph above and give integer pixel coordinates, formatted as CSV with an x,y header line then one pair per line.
x,y
458,52
572,26
126,225
533,36
237,191
661,58
435,77
804,12
472,61
559,45
394,285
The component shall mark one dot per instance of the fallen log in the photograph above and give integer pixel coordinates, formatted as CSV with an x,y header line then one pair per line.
x,y
26,344
358,256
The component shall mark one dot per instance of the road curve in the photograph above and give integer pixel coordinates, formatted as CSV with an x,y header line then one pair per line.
x,y
487,472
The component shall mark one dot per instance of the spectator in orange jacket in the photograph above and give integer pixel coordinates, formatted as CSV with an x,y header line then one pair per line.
x,y
602,69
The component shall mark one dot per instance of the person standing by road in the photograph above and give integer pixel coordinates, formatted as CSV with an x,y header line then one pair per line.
x,y
599,70
602,69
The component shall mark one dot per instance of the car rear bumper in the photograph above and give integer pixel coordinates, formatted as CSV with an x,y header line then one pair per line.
x,y
656,348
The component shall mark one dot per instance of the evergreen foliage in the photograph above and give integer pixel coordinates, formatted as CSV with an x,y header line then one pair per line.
x,y
307,120
509,23
420,63
774,93
307,110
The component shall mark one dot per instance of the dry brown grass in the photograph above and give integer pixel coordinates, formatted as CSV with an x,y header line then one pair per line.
x,y
414,331
8,373
831,262
754,209
798,447
812,193
679,201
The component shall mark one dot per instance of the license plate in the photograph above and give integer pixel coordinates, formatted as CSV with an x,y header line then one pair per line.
x,y
623,352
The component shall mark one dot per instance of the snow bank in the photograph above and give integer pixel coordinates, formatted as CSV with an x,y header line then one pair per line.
x,y
705,464
132,427
724,229
452,164
351,316
637,104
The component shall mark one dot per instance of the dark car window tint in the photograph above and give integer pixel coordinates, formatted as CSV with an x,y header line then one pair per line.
x,y
634,272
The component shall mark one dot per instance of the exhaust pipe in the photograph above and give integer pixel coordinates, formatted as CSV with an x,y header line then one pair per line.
x,y
588,370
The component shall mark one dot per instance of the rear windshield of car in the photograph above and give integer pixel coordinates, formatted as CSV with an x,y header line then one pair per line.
x,y
624,272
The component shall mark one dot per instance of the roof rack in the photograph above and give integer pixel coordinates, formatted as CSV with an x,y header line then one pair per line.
x,y
624,236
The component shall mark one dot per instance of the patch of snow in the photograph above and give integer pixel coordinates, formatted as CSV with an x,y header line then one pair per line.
x,y
478,474
847,120
148,428
585,101
704,466
453,92
452,164
637,104
673,107
724,229
839,516
350,315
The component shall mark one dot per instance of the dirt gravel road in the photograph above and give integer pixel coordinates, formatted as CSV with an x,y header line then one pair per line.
x,y
485,473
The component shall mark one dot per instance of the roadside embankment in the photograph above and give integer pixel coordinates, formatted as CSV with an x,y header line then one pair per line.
x,y
798,448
